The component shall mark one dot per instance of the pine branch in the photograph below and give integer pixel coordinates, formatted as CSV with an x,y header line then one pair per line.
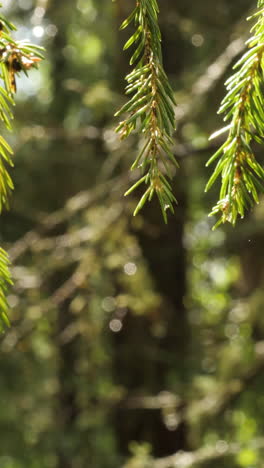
x,y
242,176
151,108
15,57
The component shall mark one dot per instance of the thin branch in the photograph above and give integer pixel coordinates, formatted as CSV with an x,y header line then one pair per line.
x,y
207,81
24,279
220,450
77,203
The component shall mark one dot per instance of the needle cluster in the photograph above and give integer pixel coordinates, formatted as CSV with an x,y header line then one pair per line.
x,y
15,57
242,176
150,110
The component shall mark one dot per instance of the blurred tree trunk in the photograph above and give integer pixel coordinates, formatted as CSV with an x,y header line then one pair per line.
x,y
66,410
138,368
144,363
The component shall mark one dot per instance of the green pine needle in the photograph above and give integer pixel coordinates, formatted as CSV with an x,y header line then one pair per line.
x,y
150,110
15,57
242,177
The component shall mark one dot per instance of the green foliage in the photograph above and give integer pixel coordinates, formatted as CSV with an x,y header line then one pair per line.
x,y
144,357
15,56
242,175
5,281
150,109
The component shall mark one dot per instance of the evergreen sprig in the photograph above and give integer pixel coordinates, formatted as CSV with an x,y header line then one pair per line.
x,y
242,176
151,108
15,57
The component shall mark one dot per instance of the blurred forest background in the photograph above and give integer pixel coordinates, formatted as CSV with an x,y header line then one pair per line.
x,y
133,344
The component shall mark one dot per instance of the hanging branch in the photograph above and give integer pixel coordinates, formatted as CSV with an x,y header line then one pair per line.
x,y
151,108
15,57
242,176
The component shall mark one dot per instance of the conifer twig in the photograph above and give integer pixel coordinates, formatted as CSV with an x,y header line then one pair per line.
x,y
15,57
151,108
242,176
